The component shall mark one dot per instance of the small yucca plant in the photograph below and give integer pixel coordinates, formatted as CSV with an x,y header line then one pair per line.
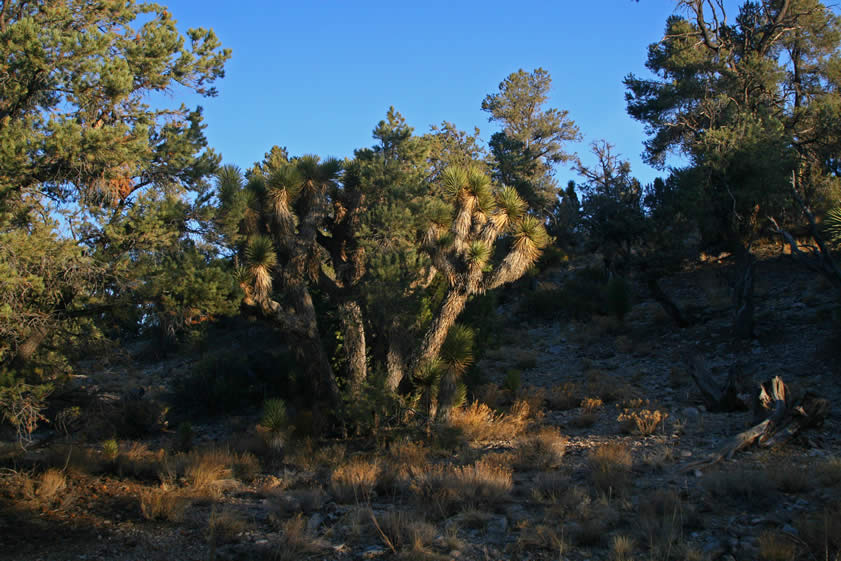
x,y
275,418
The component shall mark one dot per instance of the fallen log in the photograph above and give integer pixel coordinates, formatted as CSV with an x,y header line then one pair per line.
x,y
734,395
785,420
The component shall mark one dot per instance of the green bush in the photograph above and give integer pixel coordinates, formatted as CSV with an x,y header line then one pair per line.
x,y
275,418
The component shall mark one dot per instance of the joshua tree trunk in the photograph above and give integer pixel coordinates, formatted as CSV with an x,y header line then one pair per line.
x,y
395,357
353,332
433,341
437,333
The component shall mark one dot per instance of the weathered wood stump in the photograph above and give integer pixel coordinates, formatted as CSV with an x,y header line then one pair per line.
x,y
778,417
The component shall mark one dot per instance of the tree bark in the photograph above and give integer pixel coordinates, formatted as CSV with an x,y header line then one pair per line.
x,y
665,302
784,420
437,333
743,323
353,332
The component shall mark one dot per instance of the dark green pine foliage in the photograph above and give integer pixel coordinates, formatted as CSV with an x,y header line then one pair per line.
x,y
750,101
530,145
81,151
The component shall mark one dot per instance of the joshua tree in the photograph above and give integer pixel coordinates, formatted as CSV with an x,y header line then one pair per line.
x,y
461,242
290,220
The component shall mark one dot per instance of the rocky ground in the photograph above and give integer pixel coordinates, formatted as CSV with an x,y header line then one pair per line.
x,y
561,479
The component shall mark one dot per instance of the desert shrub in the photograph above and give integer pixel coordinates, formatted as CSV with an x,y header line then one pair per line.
x,y
550,486
543,449
50,485
138,461
245,467
404,530
829,472
136,416
354,481
296,540
535,397
447,488
790,478
542,536
742,486
821,532
204,468
621,548
163,503
564,396
661,520
774,546
644,421
479,423
611,467
224,526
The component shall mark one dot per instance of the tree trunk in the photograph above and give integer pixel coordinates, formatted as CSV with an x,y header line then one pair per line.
x,y
27,349
665,302
437,333
783,420
395,358
353,332
433,341
743,323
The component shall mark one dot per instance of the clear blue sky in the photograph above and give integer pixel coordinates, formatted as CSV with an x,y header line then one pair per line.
x,y
317,76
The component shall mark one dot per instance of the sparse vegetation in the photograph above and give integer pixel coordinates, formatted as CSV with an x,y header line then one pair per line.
x,y
426,349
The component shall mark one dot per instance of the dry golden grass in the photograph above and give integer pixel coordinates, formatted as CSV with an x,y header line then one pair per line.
x,y
821,532
611,467
403,530
790,478
621,548
204,468
828,472
535,398
591,405
479,423
661,519
309,455
245,466
743,486
138,461
564,396
447,489
643,421
550,487
542,449
774,546
296,541
542,536
51,485
162,503
354,481
224,526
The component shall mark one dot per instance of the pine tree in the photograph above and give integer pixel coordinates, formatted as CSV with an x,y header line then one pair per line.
x,y
79,144
531,141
